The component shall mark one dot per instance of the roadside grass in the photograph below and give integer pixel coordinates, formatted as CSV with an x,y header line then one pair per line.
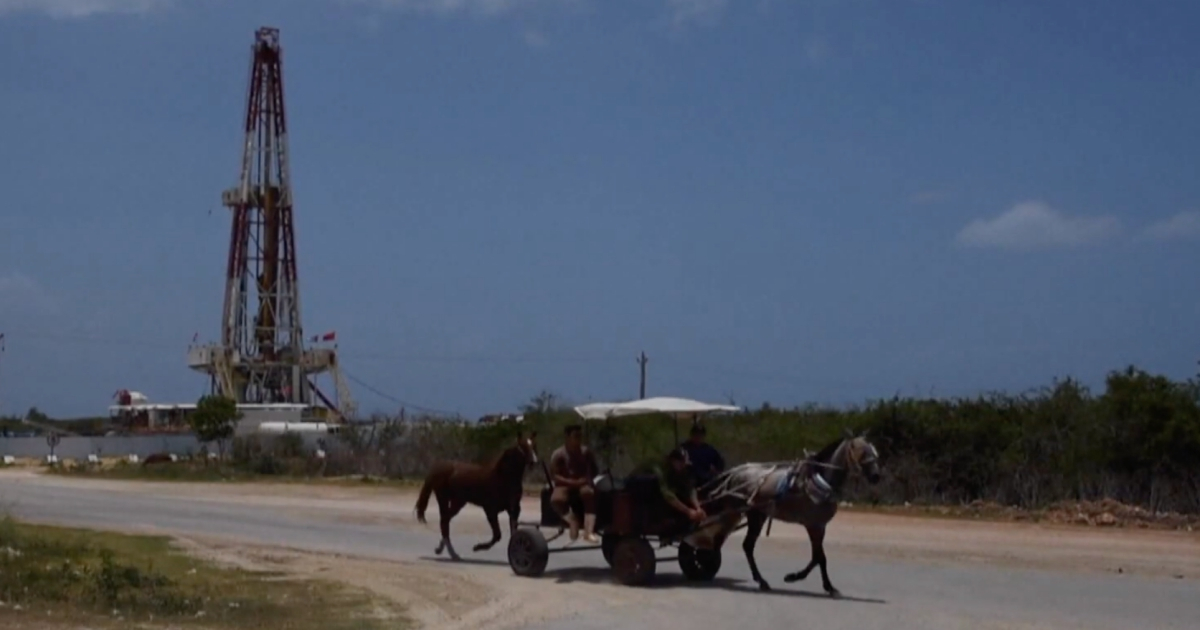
x,y
70,577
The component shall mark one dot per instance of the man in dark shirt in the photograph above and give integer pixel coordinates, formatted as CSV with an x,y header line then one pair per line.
x,y
574,468
674,483
706,460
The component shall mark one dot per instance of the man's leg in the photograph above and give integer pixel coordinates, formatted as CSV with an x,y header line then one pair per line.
x,y
560,500
587,495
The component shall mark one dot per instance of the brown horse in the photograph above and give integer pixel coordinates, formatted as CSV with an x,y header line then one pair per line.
x,y
792,495
496,487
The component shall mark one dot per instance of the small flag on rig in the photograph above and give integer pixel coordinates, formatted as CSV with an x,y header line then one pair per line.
x,y
195,337
329,336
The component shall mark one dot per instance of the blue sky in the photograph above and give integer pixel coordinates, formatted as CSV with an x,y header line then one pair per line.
x,y
780,200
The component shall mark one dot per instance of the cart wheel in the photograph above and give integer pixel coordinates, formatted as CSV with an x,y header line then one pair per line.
x,y
699,565
608,546
634,562
527,552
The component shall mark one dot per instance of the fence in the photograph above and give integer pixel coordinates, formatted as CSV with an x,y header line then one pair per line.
x,y
72,447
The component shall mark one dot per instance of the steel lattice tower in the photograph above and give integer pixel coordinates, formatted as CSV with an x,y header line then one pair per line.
x,y
261,357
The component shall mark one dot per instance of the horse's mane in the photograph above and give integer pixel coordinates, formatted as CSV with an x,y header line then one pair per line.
x,y
508,453
826,454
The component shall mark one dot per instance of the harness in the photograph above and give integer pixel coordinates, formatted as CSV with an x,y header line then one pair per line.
x,y
815,484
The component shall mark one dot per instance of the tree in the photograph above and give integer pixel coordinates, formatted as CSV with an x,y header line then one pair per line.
x,y
214,420
544,403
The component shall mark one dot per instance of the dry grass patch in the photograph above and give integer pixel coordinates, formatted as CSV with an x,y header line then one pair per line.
x,y
58,577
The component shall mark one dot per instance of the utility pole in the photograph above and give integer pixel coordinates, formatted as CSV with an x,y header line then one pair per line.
x,y
1,355
642,360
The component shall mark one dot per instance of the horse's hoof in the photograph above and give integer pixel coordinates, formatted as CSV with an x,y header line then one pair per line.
x,y
437,552
793,577
763,586
480,547
834,593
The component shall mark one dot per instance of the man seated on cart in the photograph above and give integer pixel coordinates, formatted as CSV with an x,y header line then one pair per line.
x,y
675,483
706,461
573,467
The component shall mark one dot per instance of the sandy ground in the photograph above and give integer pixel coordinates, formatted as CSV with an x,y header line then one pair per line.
x,y
927,571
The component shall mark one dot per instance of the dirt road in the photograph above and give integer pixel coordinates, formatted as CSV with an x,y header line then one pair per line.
x,y
896,572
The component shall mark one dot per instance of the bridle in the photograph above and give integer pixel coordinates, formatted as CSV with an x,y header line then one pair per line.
x,y
861,460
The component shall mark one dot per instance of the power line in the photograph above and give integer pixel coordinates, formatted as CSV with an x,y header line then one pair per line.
x,y
142,342
676,365
402,403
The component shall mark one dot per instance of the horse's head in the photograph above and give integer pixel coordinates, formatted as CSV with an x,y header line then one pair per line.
x,y
528,447
862,456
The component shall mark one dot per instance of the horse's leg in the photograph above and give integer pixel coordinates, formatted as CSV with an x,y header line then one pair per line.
x,y
494,521
816,535
443,508
754,526
514,514
818,539
449,511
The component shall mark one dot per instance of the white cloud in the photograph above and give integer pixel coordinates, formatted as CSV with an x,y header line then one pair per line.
x,y
450,7
534,39
932,196
1035,225
68,9
816,50
684,11
15,282
19,292
1183,226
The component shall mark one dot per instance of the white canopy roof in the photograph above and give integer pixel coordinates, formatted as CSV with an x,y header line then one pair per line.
x,y
663,404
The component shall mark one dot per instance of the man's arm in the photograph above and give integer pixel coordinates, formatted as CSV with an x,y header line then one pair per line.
x,y
558,469
669,495
673,500
593,465
719,460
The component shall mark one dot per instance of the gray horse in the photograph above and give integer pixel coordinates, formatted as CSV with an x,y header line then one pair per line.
x,y
804,493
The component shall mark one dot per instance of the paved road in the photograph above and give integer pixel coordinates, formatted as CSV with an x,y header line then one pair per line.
x,y
892,594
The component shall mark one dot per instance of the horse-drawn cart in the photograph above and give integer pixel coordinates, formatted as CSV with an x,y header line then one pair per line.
x,y
632,518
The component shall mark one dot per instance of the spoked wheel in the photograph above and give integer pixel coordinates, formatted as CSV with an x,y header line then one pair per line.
x,y
608,546
527,552
699,565
634,563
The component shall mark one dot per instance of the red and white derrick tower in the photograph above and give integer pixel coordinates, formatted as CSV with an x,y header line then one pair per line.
x,y
261,357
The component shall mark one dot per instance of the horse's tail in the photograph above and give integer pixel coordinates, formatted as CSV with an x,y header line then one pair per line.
x,y
426,490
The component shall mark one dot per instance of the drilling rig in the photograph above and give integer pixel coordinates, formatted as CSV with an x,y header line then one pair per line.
x,y
262,358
